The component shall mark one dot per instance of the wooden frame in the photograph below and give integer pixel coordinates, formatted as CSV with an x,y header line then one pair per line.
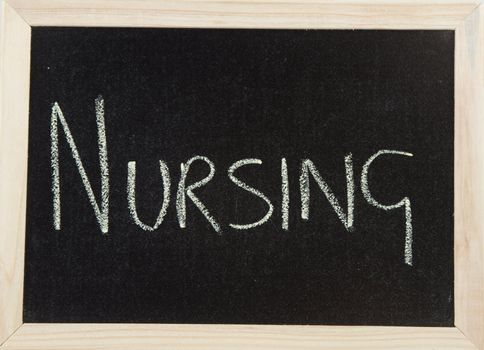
x,y
466,17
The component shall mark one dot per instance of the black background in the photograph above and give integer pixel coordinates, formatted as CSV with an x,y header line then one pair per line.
x,y
231,94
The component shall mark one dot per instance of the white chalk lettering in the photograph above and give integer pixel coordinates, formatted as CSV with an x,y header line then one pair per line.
x,y
307,170
250,189
408,253
102,215
308,167
188,190
285,195
165,176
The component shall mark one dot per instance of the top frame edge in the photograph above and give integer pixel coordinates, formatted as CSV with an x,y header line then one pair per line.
x,y
275,14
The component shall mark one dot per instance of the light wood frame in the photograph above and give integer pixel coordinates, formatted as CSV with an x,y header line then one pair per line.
x,y
466,17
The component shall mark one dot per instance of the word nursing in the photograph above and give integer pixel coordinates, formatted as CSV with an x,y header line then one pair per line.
x,y
185,190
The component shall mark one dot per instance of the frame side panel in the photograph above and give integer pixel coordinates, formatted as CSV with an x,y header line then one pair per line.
x,y
469,178
302,14
228,337
14,107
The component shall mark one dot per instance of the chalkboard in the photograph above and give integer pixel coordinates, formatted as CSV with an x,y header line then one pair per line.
x,y
240,176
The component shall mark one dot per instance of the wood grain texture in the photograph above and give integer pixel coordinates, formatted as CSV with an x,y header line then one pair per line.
x,y
379,14
14,105
469,178
211,337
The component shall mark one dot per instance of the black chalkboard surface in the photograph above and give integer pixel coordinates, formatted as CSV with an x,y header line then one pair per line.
x,y
240,176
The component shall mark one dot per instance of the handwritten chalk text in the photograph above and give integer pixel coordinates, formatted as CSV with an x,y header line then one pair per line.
x,y
309,173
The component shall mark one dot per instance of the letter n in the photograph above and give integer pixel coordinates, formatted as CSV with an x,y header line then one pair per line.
x,y
102,215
